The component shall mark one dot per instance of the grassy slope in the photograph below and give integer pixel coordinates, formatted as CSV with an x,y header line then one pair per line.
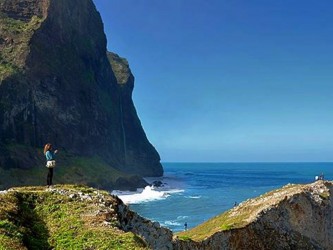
x,y
38,218
91,171
239,216
70,169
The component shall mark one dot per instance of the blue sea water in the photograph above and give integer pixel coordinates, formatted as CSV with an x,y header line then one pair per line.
x,y
195,192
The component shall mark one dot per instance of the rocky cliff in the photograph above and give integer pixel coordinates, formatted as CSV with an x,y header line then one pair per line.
x,y
293,217
58,84
79,217
74,217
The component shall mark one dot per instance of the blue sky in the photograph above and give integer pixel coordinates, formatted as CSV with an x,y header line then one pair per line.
x,y
229,80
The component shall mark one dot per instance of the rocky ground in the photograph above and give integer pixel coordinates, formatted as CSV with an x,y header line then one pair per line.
x,y
293,217
74,217
80,217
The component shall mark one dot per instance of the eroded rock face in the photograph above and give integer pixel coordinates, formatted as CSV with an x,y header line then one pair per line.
x,y
293,217
57,85
157,237
133,147
296,217
24,10
90,211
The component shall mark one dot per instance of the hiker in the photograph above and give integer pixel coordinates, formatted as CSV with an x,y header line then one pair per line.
x,y
50,162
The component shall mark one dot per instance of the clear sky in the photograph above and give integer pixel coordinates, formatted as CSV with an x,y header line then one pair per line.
x,y
229,80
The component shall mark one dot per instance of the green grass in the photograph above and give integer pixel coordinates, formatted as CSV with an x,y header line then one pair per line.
x,y
225,227
6,69
17,34
184,237
70,169
219,223
12,25
35,218
15,26
87,170
325,195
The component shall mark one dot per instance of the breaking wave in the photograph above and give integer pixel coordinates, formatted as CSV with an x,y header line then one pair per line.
x,y
145,195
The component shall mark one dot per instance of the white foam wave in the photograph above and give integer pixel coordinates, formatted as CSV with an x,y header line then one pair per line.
x,y
147,194
176,223
171,223
194,197
182,217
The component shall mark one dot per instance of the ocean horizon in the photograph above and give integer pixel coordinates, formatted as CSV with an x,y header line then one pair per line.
x,y
193,192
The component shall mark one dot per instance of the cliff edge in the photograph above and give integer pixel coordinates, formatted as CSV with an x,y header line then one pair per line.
x,y
293,217
80,217
59,84
74,217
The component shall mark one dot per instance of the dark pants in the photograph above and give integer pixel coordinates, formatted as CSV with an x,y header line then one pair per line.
x,y
49,176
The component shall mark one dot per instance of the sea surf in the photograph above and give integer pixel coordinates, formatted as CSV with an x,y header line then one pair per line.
x,y
191,193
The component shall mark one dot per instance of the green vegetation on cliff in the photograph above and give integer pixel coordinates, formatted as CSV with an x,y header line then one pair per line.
x,y
79,217
242,215
15,41
64,217
57,85
92,171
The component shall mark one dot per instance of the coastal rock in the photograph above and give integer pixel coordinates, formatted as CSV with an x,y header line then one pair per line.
x,y
130,184
81,215
58,84
293,217
157,184
157,237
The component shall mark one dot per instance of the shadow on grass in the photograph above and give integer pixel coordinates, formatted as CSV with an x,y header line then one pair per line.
x,y
139,241
35,232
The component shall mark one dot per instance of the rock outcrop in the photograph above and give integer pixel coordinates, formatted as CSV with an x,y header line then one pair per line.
x,y
293,217
58,84
79,217
157,237
74,217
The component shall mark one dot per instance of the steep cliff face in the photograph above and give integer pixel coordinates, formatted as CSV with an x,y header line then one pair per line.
x,y
131,129
57,85
294,217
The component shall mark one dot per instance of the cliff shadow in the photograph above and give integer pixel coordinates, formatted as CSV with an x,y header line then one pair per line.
x,y
35,231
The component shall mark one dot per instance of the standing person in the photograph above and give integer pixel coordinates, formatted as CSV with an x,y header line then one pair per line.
x,y
50,162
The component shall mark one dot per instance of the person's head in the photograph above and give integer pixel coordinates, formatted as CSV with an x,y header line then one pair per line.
x,y
47,147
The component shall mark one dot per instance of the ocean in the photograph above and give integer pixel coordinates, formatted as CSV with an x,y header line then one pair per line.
x,y
194,192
